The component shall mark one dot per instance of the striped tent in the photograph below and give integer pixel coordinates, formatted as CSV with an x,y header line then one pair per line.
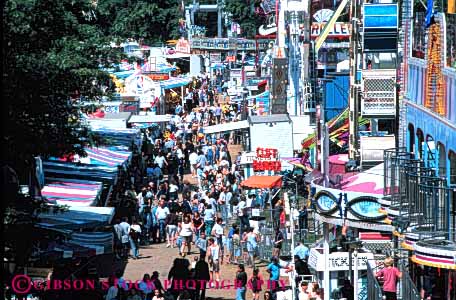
x,y
101,242
79,171
72,192
111,157
77,217
174,82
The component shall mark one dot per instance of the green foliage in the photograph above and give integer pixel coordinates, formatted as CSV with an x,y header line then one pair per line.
x,y
242,12
149,21
52,50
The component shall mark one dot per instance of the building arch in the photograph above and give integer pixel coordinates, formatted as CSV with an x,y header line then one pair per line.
x,y
419,143
411,147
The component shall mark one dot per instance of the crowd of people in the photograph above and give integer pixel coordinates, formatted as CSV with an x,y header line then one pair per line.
x,y
211,215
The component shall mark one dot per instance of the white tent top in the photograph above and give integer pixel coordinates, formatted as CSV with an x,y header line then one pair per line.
x,y
226,127
150,119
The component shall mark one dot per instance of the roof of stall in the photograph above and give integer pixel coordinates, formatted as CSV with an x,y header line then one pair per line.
x,y
72,192
262,182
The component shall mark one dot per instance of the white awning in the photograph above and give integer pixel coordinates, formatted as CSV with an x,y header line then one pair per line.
x,y
150,119
226,127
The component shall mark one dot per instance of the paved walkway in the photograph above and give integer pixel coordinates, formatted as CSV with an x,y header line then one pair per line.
x,y
157,257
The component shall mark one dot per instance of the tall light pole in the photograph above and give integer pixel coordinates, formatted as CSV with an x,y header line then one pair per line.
x,y
292,209
354,82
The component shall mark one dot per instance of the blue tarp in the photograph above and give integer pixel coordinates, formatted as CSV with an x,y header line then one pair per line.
x,y
79,171
77,217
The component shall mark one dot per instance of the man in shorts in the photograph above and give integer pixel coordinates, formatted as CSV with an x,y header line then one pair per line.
x,y
214,259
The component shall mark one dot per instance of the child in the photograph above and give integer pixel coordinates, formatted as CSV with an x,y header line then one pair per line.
x,y
157,295
201,243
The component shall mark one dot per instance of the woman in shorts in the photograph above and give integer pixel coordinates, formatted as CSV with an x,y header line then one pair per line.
x,y
186,232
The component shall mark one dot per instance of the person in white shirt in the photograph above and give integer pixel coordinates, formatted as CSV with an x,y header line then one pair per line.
x,y
222,203
193,159
160,160
217,231
135,233
125,236
244,220
186,232
303,293
160,215
213,250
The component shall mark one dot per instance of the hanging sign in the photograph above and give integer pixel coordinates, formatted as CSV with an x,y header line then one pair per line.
x,y
158,76
337,261
267,160
183,46
339,30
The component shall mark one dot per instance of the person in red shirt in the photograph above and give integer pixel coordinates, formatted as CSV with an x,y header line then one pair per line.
x,y
390,277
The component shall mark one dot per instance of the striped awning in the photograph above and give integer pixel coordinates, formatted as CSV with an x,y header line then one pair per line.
x,y
175,82
76,218
110,157
58,169
72,192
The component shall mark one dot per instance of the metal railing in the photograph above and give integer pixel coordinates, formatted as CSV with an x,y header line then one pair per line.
x,y
374,289
408,288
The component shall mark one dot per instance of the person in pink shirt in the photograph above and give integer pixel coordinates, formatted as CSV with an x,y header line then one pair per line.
x,y
390,276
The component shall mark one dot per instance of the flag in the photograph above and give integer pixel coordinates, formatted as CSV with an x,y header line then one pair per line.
x,y
429,12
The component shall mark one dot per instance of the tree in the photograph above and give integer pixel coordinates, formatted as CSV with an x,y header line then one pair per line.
x,y
153,22
242,12
53,51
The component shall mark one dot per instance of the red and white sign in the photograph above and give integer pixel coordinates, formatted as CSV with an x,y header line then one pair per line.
x,y
339,30
267,159
183,46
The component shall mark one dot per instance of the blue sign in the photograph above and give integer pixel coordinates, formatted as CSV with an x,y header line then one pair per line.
x,y
366,208
380,16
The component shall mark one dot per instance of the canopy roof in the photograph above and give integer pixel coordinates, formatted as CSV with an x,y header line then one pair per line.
x,y
262,182
79,171
174,82
72,192
112,156
119,136
77,217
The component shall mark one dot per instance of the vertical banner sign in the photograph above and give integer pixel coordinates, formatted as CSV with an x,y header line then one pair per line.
x,y
279,85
